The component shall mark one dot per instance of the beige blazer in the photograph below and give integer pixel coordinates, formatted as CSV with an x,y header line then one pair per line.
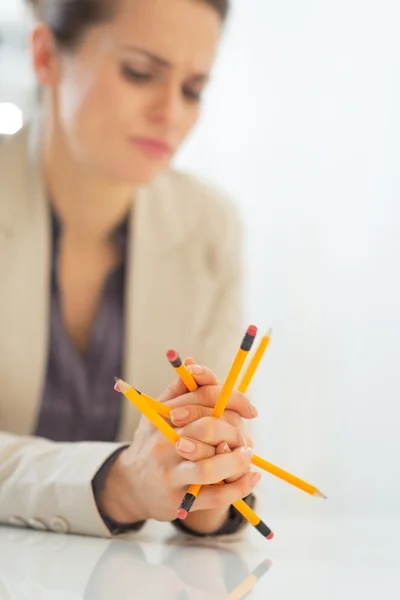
x,y
183,291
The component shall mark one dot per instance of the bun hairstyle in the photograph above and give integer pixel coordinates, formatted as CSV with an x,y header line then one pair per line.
x,y
70,19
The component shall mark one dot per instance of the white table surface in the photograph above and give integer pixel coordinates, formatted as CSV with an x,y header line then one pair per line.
x,y
320,558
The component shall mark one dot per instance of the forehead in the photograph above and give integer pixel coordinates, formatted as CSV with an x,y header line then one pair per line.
x,y
183,32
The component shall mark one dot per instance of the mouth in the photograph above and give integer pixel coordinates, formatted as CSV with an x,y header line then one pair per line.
x,y
153,147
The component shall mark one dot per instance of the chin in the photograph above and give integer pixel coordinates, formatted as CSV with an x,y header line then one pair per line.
x,y
139,174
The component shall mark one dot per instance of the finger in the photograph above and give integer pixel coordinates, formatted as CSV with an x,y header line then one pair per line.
x,y
194,450
207,396
213,431
225,449
219,496
249,441
212,470
222,448
185,415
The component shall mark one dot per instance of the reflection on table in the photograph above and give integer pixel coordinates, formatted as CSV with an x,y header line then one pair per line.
x,y
45,566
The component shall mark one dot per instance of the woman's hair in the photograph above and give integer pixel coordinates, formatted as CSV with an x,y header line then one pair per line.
x,y
69,19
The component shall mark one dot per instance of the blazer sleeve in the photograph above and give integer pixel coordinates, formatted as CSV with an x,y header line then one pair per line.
x,y
48,485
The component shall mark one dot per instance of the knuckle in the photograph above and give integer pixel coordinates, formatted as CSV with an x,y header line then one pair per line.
x,y
209,451
233,418
245,462
203,394
203,472
239,400
209,394
244,487
165,478
198,412
240,441
203,451
206,428
218,498
249,441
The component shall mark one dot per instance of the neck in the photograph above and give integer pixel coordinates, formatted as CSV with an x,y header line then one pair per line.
x,y
88,205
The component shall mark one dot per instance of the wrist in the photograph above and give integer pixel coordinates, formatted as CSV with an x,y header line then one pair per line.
x,y
117,499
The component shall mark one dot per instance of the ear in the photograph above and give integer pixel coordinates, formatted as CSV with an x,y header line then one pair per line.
x,y
45,56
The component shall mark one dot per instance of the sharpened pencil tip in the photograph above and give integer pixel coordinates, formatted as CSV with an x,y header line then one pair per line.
x,y
121,385
320,495
269,333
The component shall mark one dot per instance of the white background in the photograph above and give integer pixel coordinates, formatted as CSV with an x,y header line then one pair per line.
x,y
301,126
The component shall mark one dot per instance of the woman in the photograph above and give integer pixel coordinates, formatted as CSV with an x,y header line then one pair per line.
x,y
108,257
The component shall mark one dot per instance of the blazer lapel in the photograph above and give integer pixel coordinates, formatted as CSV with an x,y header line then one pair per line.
x,y
24,282
156,266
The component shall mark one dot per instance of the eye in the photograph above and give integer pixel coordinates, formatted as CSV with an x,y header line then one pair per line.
x,y
191,95
134,75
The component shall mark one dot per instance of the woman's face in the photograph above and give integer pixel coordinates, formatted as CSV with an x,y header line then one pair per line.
x,y
129,94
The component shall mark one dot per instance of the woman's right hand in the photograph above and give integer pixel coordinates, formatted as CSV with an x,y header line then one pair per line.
x,y
150,478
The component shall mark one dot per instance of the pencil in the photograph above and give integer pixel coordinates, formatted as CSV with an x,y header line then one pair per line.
x,y
146,409
285,476
254,577
223,399
234,372
182,370
169,432
250,516
256,460
159,407
192,386
254,363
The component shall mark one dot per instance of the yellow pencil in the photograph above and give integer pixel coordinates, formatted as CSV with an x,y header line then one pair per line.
x,y
159,407
147,410
182,370
256,460
288,477
234,372
254,363
249,514
247,584
247,342
169,432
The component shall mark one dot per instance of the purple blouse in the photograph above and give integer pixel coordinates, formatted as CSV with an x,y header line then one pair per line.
x,y
79,404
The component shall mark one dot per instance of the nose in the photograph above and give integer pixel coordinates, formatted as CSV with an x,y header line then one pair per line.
x,y
168,105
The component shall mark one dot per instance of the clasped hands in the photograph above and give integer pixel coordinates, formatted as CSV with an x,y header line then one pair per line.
x,y
151,476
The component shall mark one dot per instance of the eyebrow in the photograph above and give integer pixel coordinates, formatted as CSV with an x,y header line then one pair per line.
x,y
161,61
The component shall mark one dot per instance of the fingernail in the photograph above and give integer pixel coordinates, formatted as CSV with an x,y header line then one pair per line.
x,y
253,411
226,449
185,445
179,414
255,479
196,369
247,451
